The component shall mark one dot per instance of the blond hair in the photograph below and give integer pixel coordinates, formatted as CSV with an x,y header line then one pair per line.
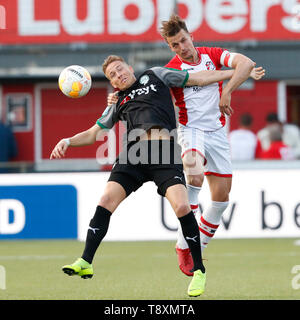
x,y
171,27
109,60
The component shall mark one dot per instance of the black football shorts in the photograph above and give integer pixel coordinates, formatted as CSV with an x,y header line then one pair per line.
x,y
158,161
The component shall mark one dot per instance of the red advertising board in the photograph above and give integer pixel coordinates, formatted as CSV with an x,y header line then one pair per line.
x,y
65,21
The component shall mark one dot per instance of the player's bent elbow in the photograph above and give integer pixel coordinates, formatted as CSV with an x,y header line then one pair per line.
x,y
248,63
241,61
251,64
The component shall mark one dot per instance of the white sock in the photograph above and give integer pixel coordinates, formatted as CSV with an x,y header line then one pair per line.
x,y
210,221
193,193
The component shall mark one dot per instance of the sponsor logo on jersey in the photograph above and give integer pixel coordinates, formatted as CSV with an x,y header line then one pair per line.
x,y
195,88
139,91
188,69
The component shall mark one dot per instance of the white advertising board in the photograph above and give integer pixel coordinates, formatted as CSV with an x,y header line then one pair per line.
x,y
263,203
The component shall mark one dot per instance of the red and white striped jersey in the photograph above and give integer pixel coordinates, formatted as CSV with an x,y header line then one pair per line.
x,y
199,106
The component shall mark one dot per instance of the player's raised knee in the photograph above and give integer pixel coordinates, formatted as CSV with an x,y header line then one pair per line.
x,y
195,180
107,202
182,208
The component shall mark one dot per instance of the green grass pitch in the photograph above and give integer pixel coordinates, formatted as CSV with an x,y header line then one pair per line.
x,y
241,269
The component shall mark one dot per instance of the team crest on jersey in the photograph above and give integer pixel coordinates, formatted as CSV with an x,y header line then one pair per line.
x,y
144,79
209,65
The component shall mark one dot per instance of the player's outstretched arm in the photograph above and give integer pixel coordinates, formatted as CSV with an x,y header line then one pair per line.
x,y
84,138
206,77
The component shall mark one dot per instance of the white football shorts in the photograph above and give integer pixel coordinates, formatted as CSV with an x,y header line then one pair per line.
x,y
213,146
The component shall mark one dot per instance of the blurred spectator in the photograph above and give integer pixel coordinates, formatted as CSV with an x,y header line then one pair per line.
x,y
290,134
291,137
278,149
8,145
243,142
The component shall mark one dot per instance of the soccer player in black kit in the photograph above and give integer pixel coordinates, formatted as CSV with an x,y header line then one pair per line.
x,y
151,154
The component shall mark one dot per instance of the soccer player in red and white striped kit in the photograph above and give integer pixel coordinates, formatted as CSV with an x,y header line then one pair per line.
x,y
201,132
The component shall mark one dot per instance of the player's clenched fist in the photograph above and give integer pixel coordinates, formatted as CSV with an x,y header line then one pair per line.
x,y
60,149
112,98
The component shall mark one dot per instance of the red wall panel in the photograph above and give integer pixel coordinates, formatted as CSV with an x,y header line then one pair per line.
x,y
62,117
258,102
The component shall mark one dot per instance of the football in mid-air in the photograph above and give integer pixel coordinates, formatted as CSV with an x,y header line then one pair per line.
x,y
75,81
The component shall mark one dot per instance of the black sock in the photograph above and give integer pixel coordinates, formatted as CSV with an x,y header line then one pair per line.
x,y
191,234
97,230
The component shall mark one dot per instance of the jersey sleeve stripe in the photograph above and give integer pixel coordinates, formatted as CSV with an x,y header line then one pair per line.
x,y
185,80
232,55
227,58
223,57
100,124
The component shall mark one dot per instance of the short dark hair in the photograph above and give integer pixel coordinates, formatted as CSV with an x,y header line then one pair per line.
x,y
171,27
246,119
272,117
